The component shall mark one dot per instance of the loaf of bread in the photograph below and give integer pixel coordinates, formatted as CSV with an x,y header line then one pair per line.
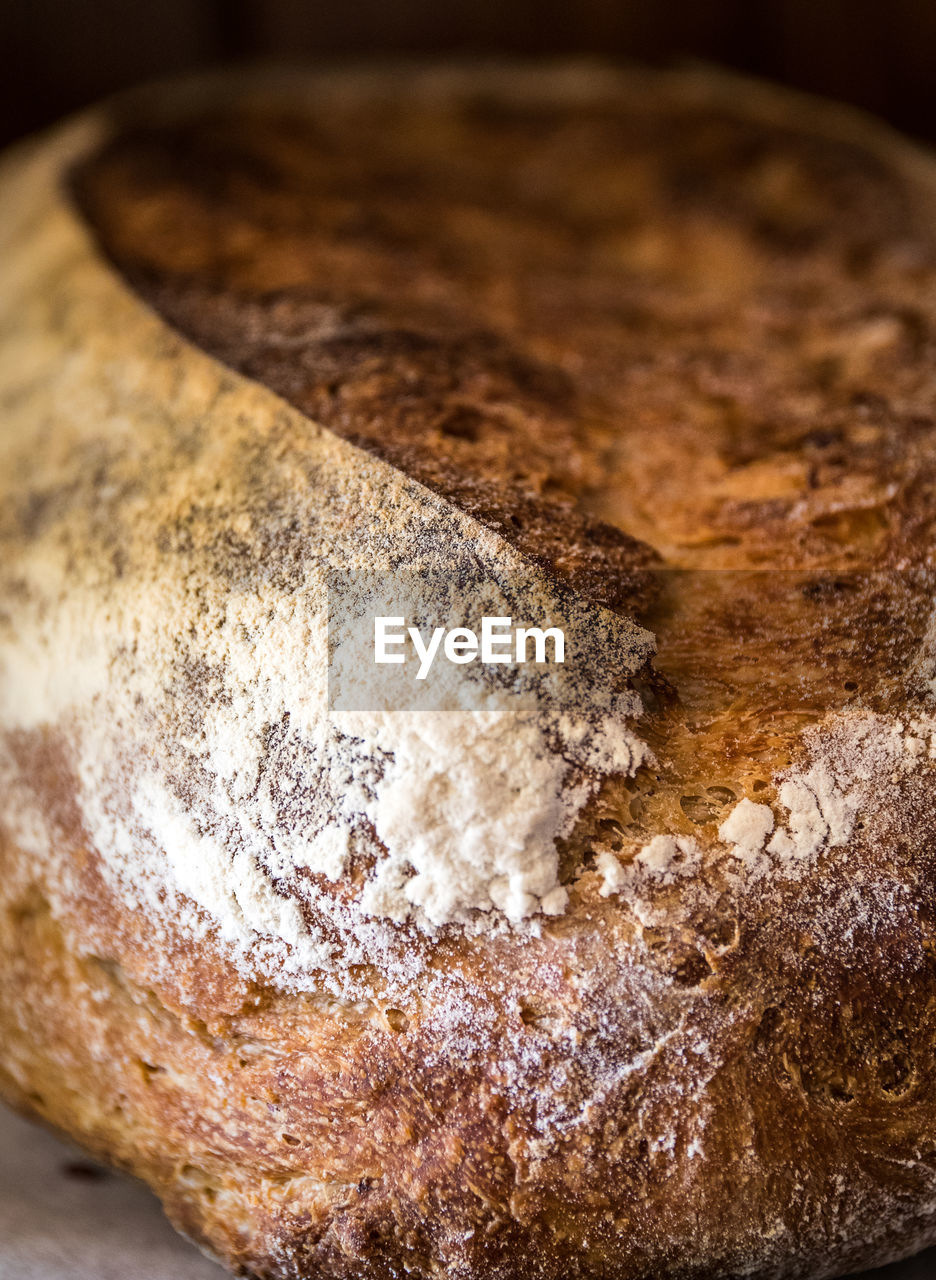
x,y
628,977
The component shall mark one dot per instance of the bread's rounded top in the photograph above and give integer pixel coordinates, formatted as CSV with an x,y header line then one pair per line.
x,y
662,342
618,318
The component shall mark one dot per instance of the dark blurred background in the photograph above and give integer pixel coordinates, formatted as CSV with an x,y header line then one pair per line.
x,y
60,54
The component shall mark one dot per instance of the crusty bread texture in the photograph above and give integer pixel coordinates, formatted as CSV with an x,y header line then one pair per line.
x,y
635,983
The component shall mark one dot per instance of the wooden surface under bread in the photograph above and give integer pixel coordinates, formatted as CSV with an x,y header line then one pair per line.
x,y
676,341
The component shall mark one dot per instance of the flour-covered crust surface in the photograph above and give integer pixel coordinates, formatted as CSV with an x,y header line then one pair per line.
x,y
633,980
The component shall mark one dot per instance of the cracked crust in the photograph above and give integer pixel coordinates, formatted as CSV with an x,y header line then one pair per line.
x,y
668,338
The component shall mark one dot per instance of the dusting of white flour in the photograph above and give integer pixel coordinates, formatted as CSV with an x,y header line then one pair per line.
x,y
851,760
209,765
185,680
746,828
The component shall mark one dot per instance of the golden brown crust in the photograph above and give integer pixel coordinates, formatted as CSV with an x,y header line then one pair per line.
x,y
723,347
506,297
651,327
712,329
